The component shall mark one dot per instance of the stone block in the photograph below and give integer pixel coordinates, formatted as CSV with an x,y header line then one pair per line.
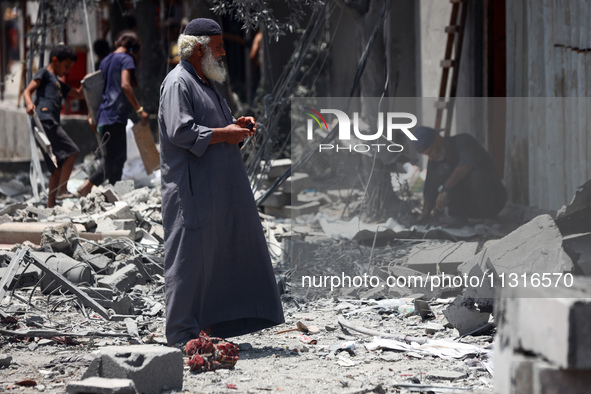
x,y
296,183
123,279
121,210
278,168
110,195
535,247
445,257
152,368
100,263
290,211
96,385
124,187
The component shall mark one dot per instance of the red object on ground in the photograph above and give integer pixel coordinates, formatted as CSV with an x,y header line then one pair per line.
x,y
210,353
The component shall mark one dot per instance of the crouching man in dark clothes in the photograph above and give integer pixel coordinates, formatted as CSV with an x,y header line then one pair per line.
x,y
460,175
217,268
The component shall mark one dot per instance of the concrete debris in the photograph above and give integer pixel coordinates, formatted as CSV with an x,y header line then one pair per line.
x,y
445,257
122,280
121,188
62,238
542,343
374,290
535,247
464,315
277,167
152,368
101,386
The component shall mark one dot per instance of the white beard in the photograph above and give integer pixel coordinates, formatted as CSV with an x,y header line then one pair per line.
x,y
213,69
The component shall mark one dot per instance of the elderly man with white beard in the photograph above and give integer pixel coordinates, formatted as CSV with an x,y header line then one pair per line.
x,y
218,272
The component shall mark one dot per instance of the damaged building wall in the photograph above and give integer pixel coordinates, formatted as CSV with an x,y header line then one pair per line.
x,y
547,151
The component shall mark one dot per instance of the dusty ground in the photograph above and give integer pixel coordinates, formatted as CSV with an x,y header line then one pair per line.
x,y
269,361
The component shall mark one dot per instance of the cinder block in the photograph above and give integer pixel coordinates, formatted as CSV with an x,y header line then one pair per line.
x,y
101,386
123,279
446,257
296,183
152,368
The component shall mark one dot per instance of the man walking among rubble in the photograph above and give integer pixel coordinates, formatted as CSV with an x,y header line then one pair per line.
x,y
461,176
218,272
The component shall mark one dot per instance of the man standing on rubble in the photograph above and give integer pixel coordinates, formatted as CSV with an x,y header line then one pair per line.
x,y
461,176
218,272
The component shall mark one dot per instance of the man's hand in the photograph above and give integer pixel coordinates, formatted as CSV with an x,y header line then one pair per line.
x,y
31,109
442,200
232,134
145,117
245,121
92,125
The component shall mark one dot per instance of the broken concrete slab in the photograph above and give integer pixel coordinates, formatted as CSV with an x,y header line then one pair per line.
x,y
152,368
553,322
535,247
123,279
96,385
445,257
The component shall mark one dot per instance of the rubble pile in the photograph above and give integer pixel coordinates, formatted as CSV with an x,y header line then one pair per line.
x,y
369,307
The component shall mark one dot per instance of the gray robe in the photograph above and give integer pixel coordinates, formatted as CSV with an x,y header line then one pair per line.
x,y
217,267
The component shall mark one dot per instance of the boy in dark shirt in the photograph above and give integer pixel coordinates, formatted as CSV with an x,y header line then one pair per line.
x,y
48,104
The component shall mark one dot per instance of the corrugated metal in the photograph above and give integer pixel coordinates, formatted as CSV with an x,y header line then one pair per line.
x,y
548,144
